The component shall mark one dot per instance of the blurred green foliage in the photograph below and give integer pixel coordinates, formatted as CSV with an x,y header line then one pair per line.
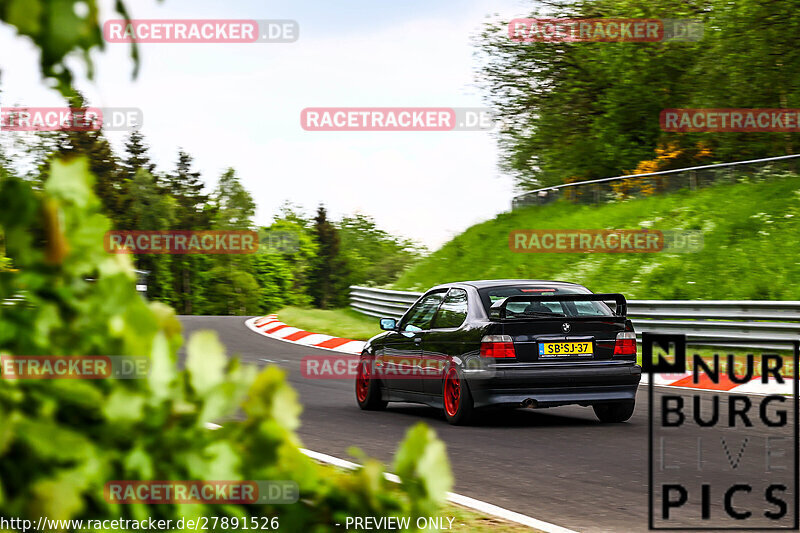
x,y
751,236
62,440
60,28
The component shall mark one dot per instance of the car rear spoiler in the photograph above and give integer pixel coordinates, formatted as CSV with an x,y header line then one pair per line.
x,y
498,309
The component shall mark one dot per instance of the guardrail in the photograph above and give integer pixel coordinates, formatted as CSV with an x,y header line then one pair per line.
x,y
381,302
756,323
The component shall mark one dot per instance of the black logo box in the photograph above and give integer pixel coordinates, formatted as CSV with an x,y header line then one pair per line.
x,y
679,366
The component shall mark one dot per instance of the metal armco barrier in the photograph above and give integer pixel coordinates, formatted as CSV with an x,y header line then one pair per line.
x,y
756,323
381,302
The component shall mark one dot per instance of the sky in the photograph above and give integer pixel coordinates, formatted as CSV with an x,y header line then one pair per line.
x,y
239,105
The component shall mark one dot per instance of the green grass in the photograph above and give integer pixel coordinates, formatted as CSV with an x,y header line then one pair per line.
x,y
751,233
470,521
337,322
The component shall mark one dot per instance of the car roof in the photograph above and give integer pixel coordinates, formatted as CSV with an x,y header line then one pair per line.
x,y
490,283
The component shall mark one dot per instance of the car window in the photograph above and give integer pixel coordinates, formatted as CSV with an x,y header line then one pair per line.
x,y
453,310
555,306
420,316
522,307
585,308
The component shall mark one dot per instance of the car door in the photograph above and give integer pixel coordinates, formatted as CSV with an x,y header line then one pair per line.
x,y
444,339
402,355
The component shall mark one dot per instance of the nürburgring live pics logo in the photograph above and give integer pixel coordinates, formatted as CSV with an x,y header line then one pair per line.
x,y
719,459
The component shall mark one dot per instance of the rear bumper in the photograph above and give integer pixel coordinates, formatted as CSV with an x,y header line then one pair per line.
x,y
551,385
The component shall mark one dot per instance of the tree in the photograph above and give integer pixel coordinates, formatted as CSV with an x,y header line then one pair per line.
x,y
286,270
576,111
231,291
137,156
276,279
192,213
186,187
232,288
328,278
750,58
103,163
235,207
373,255
149,209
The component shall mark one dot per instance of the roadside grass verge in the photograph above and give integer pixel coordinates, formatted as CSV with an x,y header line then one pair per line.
x,y
751,236
473,522
343,322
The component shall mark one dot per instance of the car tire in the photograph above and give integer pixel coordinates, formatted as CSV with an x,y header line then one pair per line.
x,y
368,390
456,398
614,413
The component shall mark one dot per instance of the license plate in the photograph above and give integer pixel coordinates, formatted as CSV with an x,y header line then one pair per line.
x,y
558,349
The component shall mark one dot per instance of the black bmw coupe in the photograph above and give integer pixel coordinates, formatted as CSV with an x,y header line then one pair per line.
x,y
512,343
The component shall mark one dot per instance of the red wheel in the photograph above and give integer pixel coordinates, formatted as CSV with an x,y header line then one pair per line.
x,y
452,392
456,397
362,381
368,390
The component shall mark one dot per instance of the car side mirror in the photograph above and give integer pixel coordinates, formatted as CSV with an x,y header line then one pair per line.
x,y
389,324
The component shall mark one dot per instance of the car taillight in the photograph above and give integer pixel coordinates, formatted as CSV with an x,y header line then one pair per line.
x,y
497,346
626,343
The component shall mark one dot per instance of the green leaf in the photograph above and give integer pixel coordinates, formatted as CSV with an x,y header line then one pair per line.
x,y
138,464
73,394
162,370
217,461
270,398
47,320
8,429
205,361
124,405
422,465
59,498
52,441
70,180
285,407
25,15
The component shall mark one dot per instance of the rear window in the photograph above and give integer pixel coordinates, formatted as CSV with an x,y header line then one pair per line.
x,y
522,307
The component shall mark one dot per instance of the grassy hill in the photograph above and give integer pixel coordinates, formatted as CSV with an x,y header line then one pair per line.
x,y
751,246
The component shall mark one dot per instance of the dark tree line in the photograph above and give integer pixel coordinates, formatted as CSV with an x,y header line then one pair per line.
x,y
325,258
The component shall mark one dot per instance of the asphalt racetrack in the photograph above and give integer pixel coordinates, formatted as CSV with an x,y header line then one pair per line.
x,y
559,465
